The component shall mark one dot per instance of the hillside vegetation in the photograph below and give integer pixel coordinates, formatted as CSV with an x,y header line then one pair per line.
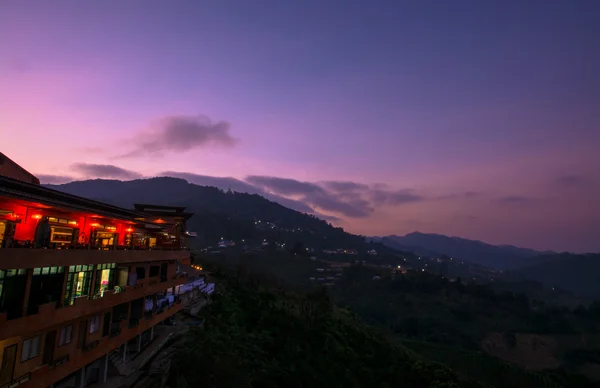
x,y
575,273
483,335
218,214
254,336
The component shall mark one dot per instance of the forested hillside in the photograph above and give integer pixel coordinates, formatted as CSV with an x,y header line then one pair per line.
x,y
219,214
255,336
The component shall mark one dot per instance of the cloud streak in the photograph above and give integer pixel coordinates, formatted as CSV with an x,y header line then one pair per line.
x,y
398,197
330,200
104,171
570,181
181,134
313,194
47,179
225,183
516,200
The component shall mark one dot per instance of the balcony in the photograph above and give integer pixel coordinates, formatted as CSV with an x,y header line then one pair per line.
x,y
31,258
44,376
51,314
18,381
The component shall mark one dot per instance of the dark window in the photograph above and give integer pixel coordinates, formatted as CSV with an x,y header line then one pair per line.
x,y
163,272
154,271
106,325
141,272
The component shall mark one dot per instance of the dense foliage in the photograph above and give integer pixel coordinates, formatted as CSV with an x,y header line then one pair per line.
x,y
256,337
447,322
430,307
575,273
220,214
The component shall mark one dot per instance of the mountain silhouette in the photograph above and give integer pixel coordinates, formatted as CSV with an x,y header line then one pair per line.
x,y
231,215
474,251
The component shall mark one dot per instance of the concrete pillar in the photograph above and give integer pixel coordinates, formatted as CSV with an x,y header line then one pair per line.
x,y
151,333
124,351
80,378
139,343
103,372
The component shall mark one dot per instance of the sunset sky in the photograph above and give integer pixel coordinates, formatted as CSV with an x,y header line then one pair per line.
x,y
479,119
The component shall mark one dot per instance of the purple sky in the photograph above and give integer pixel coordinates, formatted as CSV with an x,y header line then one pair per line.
x,y
479,119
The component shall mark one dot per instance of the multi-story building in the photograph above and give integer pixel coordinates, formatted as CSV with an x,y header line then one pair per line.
x,y
80,279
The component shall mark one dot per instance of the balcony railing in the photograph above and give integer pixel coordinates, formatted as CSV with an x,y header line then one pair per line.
x,y
133,322
16,382
43,374
115,329
28,244
91,346
53,364
53,313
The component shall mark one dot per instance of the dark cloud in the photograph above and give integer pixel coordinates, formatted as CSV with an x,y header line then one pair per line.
x,y
54,179
104,171
569,181
313,194
397,197
327,217
285,186
223,183
465,195
344,186
182,133
226,183
516,200
330,202
290,203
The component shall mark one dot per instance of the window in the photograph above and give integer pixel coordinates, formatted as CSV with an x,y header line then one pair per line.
x,y
66,335
154,271
31,348
141,272
94,324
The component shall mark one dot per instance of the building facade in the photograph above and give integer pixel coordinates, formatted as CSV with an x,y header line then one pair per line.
x,y
80,280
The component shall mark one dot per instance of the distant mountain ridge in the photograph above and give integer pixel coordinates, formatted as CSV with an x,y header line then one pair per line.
x,y
218,213
477,252
576,273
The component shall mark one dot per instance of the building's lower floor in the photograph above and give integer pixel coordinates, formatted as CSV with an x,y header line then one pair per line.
x,y
119,363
